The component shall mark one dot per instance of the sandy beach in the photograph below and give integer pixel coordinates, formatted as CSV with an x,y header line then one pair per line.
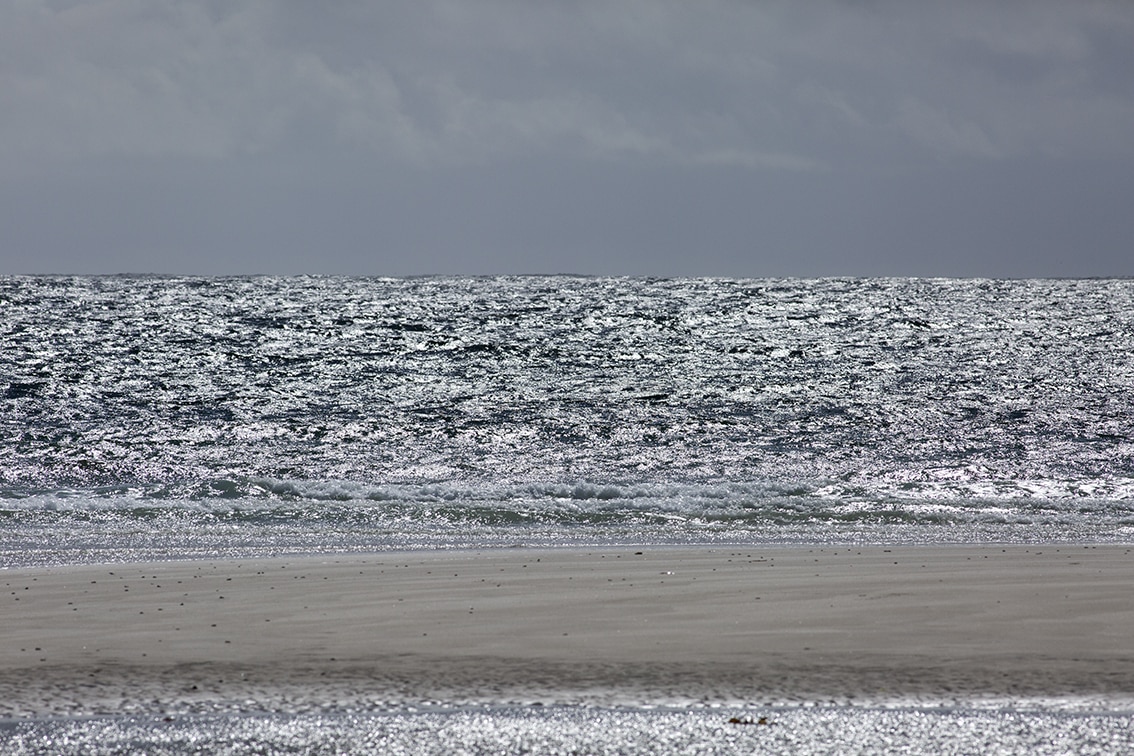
x,y
645,625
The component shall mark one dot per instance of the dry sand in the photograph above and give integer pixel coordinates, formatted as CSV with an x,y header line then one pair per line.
x,y
643,625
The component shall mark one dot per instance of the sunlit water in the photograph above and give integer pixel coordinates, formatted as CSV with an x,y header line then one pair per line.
x,y
570,730
146,417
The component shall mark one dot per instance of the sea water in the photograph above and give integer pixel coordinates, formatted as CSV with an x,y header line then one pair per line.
x,y
151,417
157,417
800,731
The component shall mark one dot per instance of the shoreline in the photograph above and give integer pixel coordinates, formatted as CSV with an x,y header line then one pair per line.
x,y
641,625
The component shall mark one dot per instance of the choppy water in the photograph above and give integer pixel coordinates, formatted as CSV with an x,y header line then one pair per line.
x,y
166,417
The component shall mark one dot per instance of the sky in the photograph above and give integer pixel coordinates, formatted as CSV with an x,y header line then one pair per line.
x,y
604,137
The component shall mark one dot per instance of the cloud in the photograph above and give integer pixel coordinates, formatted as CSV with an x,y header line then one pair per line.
x,y
767,86
830,134
938,131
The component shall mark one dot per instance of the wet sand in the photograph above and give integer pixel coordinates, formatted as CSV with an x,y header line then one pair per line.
x,y
628,625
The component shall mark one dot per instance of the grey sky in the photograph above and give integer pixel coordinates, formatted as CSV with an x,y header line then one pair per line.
x,y
617,137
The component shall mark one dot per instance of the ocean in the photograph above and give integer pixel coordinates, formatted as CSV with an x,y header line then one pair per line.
x,y
150,417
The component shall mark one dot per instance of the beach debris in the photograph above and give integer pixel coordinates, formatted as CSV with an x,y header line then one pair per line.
x,y
748,721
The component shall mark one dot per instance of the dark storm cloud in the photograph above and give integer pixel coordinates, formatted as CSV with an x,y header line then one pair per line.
x,y
629,137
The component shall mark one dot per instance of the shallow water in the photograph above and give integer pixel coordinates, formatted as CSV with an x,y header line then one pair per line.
x,y
570,730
